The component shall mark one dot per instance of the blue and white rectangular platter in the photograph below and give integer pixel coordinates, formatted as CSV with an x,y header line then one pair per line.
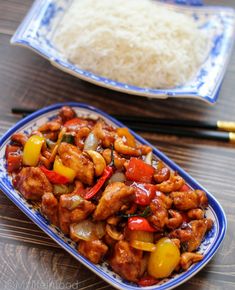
x,y
208,247
37,29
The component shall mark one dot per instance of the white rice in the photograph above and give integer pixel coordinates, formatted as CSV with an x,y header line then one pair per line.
x,y
138,42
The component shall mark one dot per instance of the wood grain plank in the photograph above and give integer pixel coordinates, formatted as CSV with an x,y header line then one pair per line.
x,y
12,13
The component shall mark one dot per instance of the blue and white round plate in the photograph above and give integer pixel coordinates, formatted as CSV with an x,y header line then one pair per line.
x,y
37,29
214,211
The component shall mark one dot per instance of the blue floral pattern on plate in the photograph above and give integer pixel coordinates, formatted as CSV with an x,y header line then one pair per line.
x,y
214,211
37,29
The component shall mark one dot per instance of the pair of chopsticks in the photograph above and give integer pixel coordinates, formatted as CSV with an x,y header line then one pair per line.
x,y
220,130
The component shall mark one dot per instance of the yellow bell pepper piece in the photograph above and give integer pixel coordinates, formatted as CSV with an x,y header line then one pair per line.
x,y
63,170
32,149
124,132
164,259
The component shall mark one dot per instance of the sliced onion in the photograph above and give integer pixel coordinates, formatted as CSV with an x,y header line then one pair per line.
x,y
141,236
72,202
59,189
91,142
87,231
117,177
149,158
113,233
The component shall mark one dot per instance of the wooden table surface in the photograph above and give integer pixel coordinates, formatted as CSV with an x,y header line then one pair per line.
x,y
31,260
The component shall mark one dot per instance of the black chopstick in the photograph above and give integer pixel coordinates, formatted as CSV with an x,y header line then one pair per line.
x,y
133,120
204,134
155,125
218,125
23,111
167,122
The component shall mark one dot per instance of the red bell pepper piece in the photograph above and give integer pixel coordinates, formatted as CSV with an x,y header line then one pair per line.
x,y
147,281
139,171
53,176
140,224
185,187
144,193
106,174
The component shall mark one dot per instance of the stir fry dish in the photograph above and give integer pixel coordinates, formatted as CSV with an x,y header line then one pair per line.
x,y
110,195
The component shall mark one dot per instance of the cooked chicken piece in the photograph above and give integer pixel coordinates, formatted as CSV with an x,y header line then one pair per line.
x,y
14,162
64,219
67,113
82,212
174,183
113,198
187,259
32,183
193,234
14,158
19,138
186,200
183,234
109,241
73,209
127,261
93,250
159,216
12,149
50,207
72,157
159,206
166,200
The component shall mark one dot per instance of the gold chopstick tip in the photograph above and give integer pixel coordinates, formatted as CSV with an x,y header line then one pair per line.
x,y
226,125
232,137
